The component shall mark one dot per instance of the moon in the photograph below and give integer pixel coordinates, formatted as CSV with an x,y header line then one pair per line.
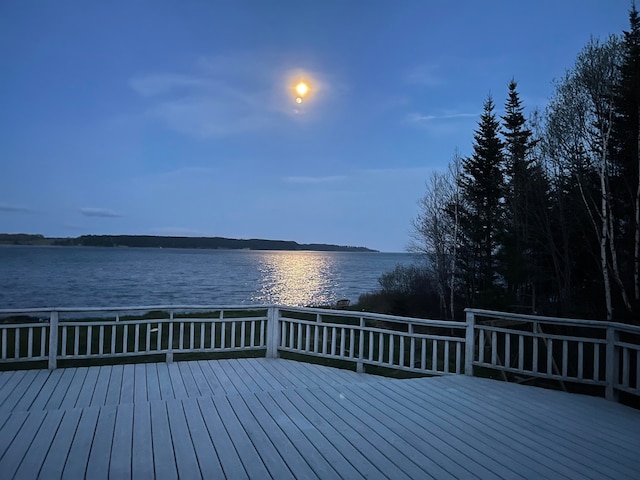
x,y
301,89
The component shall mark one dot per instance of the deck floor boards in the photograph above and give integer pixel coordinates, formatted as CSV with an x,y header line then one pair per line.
x,y
266,418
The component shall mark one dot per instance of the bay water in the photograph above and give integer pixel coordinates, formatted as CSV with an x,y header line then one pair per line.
x,y
47,276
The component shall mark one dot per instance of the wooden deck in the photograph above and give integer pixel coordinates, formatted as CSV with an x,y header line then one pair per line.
x,y
267,418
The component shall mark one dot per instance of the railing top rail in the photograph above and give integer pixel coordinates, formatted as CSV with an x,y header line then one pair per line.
x,y
376,316
560,321
8,311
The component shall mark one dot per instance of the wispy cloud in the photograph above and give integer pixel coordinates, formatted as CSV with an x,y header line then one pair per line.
x,y
419,117
99,212
228,95
315,180
5,207
424,75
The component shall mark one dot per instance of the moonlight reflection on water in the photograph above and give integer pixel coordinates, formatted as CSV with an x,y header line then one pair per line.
x,y
298,278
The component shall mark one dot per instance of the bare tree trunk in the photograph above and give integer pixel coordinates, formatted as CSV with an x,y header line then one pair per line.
x,y
636,250
603,242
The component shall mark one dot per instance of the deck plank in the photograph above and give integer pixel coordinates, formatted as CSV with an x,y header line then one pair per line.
x,y
205,450
53,464
121,451
163,458
142,446
73,391
186,458
100,454
88,387
251,459
15,454
76,465
39,448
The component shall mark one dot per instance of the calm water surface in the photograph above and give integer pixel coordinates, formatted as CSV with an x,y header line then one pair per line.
x,y
96,277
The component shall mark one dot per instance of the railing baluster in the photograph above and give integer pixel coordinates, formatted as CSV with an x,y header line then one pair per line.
x,y
370,358
380,346
520,352
412,353
101,341
89,338
299,339
213,335
307,337
43,337
252,341
316,334
63,350
481,346
233,334
535,355
136,338
401,351
4,343
625,367
147,346
507,350
458,351
113,339
324,339
223,334
202,327
181,336
494,348
565,358
391,345
30,342
16,341
446,356
580,359
243,332
192,335
159,337
596,361
342,335
76,340
549,356
125,337
423,354
291,334
434,355
333,340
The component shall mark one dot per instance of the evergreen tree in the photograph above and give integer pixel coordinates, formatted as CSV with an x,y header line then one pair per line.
x,y
481,209
516,255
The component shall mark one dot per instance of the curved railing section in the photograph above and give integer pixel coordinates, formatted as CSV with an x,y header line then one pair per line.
x,y
602,354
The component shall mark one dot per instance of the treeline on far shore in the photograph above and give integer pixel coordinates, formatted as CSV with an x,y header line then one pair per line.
x,y
151,241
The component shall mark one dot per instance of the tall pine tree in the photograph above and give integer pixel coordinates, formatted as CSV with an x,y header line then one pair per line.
x,y
481,209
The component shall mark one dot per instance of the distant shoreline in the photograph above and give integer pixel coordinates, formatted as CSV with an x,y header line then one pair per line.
x,y
151,241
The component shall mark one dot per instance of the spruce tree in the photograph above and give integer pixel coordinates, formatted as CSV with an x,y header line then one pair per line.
x,y
521,177
481,215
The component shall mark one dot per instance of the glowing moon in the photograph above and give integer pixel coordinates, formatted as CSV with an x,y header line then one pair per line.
x,y
302,88
298,99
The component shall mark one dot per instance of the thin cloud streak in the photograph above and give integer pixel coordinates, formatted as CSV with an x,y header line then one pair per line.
x,y
315,180
418,117
99,212
4,207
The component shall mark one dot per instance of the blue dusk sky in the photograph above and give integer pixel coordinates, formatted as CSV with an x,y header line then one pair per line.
x,y
180,118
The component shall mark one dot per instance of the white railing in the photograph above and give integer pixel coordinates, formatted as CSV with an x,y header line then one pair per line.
x,y
400,343
602,354
74,334
588,352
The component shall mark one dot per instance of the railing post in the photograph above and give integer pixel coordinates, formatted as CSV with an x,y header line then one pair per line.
x,y
611,365
53,340
469,346
273,332
360,362
170,340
